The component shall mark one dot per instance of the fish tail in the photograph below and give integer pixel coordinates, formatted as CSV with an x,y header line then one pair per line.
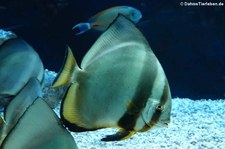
x,y
65,75
81,28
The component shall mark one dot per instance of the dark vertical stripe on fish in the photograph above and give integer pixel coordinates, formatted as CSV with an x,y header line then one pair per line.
x,y
142,93
156,115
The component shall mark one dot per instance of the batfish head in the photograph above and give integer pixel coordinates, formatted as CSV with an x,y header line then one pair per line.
x,y
157,111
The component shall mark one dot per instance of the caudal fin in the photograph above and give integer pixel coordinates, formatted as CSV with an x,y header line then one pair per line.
x,y
81,28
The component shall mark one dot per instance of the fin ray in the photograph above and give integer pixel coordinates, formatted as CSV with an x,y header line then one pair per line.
x,y
121,29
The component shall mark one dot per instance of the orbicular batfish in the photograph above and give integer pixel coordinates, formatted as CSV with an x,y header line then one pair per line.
x,y
120,84
19,62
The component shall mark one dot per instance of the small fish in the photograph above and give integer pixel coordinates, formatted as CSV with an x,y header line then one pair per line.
x,y
103,19
120,84
27,117
18,63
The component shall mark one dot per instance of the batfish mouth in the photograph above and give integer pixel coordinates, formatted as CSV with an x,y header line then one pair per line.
x,y
151,124
163,124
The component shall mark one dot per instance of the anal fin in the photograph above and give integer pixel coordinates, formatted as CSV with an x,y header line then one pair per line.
x,y
75,128
70,112
120,135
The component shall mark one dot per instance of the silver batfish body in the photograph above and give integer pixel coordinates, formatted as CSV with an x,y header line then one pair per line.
x,y
120,84
18,63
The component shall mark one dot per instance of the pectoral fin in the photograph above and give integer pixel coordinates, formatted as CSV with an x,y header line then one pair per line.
x,y
65,75
120,135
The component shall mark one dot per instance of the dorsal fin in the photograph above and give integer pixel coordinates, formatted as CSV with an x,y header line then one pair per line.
x,y
65,74
121,29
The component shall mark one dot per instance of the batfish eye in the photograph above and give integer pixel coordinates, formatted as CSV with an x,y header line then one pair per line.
x,y
159,108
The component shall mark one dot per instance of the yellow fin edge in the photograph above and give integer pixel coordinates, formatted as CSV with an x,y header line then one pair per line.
x,y
122,134
131,133
70,106
65,75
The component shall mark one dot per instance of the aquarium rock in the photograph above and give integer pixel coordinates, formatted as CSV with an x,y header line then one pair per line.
x,y
52,95
6,35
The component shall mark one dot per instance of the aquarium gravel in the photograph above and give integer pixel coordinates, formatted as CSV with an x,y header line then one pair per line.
x,y
194,124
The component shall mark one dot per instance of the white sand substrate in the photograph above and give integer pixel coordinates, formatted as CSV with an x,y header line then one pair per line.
x,y
194,124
